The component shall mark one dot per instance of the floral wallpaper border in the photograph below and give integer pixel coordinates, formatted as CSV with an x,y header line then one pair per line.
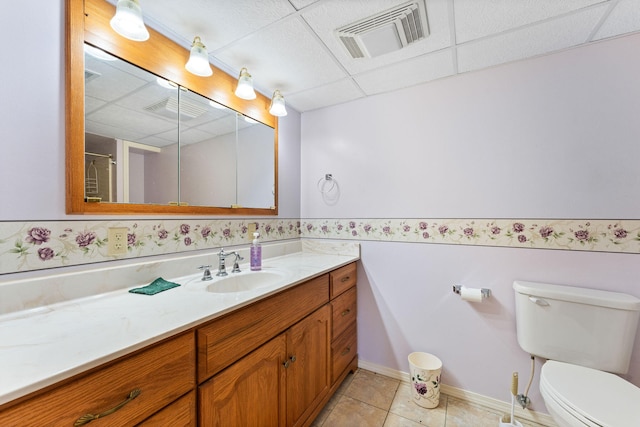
x,y
568,234
36,245
39,245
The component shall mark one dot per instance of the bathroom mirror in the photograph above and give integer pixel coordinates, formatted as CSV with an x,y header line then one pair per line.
x,y
145,136
147,140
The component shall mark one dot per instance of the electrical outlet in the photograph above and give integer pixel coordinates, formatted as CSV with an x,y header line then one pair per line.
x,y
117,241
251,228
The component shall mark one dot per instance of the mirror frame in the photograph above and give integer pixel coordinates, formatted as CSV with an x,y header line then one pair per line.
x,y
88,21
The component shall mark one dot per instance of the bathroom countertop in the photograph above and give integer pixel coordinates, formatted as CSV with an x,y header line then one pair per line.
x,y
44,345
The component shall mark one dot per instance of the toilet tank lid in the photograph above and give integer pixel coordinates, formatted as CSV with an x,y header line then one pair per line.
x,y
578,295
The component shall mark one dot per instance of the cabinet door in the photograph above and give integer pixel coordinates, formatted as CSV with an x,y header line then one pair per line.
x,y
251,392
308,372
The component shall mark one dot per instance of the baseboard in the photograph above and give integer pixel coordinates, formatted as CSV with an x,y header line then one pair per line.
x,y
468,396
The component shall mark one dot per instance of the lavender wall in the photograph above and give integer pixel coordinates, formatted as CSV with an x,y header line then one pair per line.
x,y
550,137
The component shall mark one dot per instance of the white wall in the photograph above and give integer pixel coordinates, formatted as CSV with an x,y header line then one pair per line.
x,y
551,137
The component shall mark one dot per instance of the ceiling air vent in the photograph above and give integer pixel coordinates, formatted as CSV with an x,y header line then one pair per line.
x,y
168,107
385,32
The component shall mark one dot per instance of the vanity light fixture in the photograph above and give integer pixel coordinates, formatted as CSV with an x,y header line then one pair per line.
x,y
128,21
198,62
244,89
277,107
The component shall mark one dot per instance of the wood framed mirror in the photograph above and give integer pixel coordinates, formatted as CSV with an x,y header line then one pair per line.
x,y
208,162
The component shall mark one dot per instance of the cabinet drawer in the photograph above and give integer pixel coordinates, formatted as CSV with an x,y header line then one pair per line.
x,y
343,350
181,413
161,374
343,279
344,311
225,340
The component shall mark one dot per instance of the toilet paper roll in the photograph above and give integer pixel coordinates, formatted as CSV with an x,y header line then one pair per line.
x,y
471,294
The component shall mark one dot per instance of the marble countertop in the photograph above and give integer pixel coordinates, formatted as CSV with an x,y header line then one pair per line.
x,y
43,345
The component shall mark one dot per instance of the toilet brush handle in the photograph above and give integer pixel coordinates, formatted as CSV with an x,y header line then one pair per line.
x,y
514,384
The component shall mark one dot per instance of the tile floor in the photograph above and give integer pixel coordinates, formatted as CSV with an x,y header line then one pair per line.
x,y
367,399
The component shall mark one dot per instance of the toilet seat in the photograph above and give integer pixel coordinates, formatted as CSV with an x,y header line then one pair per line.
x,y
588,397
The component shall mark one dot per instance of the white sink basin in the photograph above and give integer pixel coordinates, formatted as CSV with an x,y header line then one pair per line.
x,y
245,281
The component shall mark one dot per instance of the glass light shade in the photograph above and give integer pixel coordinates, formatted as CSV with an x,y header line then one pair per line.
x,y
277,107
198,62
217,106
244,89
128,21
166,83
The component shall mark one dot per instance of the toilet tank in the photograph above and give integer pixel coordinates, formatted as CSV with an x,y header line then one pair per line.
x,y
585,327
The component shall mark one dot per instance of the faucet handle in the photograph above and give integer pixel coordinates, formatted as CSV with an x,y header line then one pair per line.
x,y
206,272
236,267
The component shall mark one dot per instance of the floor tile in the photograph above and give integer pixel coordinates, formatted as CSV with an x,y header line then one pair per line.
x,y
367,399
403,405
354,413
372,388
463,414
394,420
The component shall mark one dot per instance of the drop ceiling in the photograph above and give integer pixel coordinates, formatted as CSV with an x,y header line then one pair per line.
x,y
292,45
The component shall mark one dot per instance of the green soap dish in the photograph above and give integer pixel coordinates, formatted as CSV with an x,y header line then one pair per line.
x,y
154,287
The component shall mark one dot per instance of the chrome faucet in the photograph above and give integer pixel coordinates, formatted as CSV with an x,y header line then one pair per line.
x,y
206,275
222,256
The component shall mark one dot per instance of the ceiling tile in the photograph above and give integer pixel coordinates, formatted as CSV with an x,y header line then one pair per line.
x,y
286,56
218,22
333,14
624,18
542,38
334,93
476,19
301,4
407,73
291,44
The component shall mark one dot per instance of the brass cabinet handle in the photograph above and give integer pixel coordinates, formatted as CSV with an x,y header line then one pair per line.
x,y
347,311
344,279
345,351
86,419
289,361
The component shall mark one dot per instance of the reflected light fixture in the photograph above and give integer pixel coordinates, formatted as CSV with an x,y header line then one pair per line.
x,y
244,89
98,53
198,62
128,21
277,107
250,120
217,106
167,84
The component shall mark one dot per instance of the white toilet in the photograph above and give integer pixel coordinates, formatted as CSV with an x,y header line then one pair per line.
x,y
585,334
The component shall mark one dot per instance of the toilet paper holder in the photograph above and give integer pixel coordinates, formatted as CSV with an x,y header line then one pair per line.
x,y
486,293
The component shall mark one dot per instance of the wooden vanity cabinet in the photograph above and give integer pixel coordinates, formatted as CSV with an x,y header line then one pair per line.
x,y
265,365
161,374
275,362
344,313
281,382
